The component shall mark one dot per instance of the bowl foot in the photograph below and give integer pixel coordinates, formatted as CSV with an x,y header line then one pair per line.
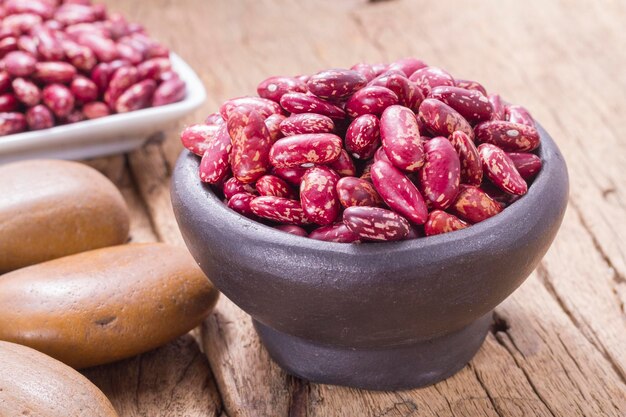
x,y
395,368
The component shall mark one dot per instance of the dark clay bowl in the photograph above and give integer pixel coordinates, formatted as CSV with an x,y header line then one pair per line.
x,y
378,315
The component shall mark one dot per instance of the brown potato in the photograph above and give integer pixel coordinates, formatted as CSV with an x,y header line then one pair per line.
x,y
51,209
104,305
33,384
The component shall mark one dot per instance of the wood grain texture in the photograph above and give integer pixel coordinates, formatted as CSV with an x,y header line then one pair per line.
x,y
558,345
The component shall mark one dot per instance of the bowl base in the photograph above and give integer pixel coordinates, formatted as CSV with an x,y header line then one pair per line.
x,y
395,368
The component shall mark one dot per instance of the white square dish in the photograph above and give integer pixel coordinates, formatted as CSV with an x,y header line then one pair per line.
x,y
108,135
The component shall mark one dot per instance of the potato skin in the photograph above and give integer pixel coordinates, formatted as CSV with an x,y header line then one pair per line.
x,y
104,305
51,209
34,384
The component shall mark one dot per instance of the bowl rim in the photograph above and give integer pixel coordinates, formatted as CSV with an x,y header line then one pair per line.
x,y
261,234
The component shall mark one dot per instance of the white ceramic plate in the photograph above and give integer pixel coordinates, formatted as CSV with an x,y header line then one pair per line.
x,y
109,135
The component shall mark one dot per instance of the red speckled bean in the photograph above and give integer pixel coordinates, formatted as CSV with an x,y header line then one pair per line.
x,y
136,97
503,198
214,118
75,116
335,84
26,91
7,45
441,222
470,85
409,95
407,65
241,204
298,124
11,123
305,103
79,56
441,119
39,117
501,170
440,177
168,92
5,82
471,104
96,109
20,23
344,165
48,46
120,81
8,103
363,136
279,210
498,107
509,136
518,114
251,144
474,205
197,138
305,150
273,88
273,185
370,100
401,138
292,229
273,126
414,233
105,49
337,232
233,186
70,14
354,191
38,7
471,166
399,192
19,63
214,164
54,72
153,68
430,77
262,106
59,99
292,175
527,164
365,70
129,53
381,155
318,195
374,223
84,89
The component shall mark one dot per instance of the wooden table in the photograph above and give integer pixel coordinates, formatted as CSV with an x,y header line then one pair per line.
x,y
558,345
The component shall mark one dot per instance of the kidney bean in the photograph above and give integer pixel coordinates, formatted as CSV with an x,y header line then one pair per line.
x,y
240,202
233,186
273,185
365,70
409,95
471,166
197,138
374,223
292,175
75,116
305,150
127,52
441,119
96,109
441,174
518,114
470,85
101,74
305,103
168,92
48,46
120,81
353,191
474,205
71,14
363,136
407,65
344,165
501,170
11,123
471,104
527,164
279,210
292,229
251,144
370,100
430,77
136,97
76,30
84,89
8,103
27,44
509,136
498,107
337,232
214,164
19,63
8,44
54,72
273,88
302,123
59,99
153,68
318,195
399,192
263,107
38,7
401,138
335,84
441,222
214,118
79,56
5,82
273,126
105,49
20,23
26,91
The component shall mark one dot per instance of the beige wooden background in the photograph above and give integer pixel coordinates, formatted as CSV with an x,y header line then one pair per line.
x,y
558,345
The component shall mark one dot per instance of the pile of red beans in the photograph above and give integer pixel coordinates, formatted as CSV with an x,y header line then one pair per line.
x,y
375,153
67,61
